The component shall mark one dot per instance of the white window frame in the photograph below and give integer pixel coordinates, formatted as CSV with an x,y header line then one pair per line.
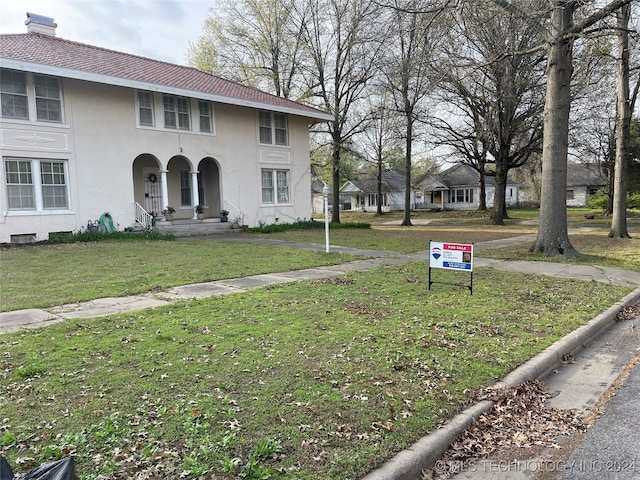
x,y
273,128
150,98
48,104
15,92
178,111
174,112
208,117
466,195
33,100
38,186
276,188
185,189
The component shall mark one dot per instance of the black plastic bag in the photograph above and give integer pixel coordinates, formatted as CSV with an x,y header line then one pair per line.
x,y
64,469
5,470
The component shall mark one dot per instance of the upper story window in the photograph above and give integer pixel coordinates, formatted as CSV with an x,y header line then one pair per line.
x,y
13,88
176,112
158,110
48,104
273,128
145,108
26,96
204,108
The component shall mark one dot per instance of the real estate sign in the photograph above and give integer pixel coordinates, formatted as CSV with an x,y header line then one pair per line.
x,y
452,256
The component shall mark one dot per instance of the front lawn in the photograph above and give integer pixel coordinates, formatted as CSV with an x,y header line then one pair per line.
x,y
42,276
316,380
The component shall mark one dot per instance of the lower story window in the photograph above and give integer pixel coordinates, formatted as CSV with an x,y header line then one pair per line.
x,y
275,186
36,184
462,195
185,188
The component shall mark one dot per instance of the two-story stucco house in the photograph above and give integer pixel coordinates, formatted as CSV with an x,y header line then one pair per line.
x,y
85,130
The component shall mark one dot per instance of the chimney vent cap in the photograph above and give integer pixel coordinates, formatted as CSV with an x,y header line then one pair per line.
x,y
40,24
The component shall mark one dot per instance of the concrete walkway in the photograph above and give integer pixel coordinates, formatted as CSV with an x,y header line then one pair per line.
x,y
15,320
602,348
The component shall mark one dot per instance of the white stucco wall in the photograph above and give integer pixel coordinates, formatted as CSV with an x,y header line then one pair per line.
x,y
511,199
100,140
579,194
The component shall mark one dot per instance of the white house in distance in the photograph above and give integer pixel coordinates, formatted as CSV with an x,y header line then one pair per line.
x,y
362,195
85,130
458,188
583,180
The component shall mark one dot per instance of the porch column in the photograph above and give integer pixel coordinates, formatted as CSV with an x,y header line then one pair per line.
x,y
194,192
165,188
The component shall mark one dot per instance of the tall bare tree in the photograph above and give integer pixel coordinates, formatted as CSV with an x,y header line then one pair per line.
x,y
553,237
254,42
413,36
496,88
623,127
342,39
379,143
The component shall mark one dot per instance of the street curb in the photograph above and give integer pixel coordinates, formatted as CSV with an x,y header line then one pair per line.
x,y
422,455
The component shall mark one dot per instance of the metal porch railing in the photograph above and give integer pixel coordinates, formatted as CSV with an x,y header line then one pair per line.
x,y
143,217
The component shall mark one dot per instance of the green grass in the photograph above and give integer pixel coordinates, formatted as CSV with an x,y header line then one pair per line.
x,y
399,239
315,380
596,246
472,217
48,275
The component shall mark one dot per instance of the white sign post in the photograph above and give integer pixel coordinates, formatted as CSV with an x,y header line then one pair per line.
x,y
451,256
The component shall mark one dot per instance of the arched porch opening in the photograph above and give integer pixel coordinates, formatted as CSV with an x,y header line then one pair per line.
x,y
147,183
180,194
209,188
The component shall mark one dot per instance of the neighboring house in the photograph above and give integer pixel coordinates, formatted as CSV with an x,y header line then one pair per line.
x,y
458,188
317,196
86,130
583,180
362,195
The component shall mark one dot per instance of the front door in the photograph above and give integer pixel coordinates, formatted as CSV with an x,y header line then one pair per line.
x,y
152,191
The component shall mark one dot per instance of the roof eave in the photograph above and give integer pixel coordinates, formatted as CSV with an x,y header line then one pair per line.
x,y
124,82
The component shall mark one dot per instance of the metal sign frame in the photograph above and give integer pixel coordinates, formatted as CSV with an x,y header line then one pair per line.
x,y
451,256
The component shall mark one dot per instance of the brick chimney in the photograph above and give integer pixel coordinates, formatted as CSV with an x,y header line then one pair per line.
x,y
40,24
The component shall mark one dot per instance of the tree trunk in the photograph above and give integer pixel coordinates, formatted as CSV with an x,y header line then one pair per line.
x,y
482,201
482,187
335,165
499,195
406,220
623,128
379,202
610,187
553,237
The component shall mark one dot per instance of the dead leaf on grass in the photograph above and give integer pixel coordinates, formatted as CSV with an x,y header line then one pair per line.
x,y
519,419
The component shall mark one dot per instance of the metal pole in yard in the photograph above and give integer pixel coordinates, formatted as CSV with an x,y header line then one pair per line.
x,y
325,193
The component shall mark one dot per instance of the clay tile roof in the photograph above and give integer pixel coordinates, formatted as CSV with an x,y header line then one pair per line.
x,y
31,51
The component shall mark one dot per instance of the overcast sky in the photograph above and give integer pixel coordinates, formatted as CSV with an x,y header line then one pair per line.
x,y
159,29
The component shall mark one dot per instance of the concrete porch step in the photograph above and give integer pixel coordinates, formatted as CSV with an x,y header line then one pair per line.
x,y
186,228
